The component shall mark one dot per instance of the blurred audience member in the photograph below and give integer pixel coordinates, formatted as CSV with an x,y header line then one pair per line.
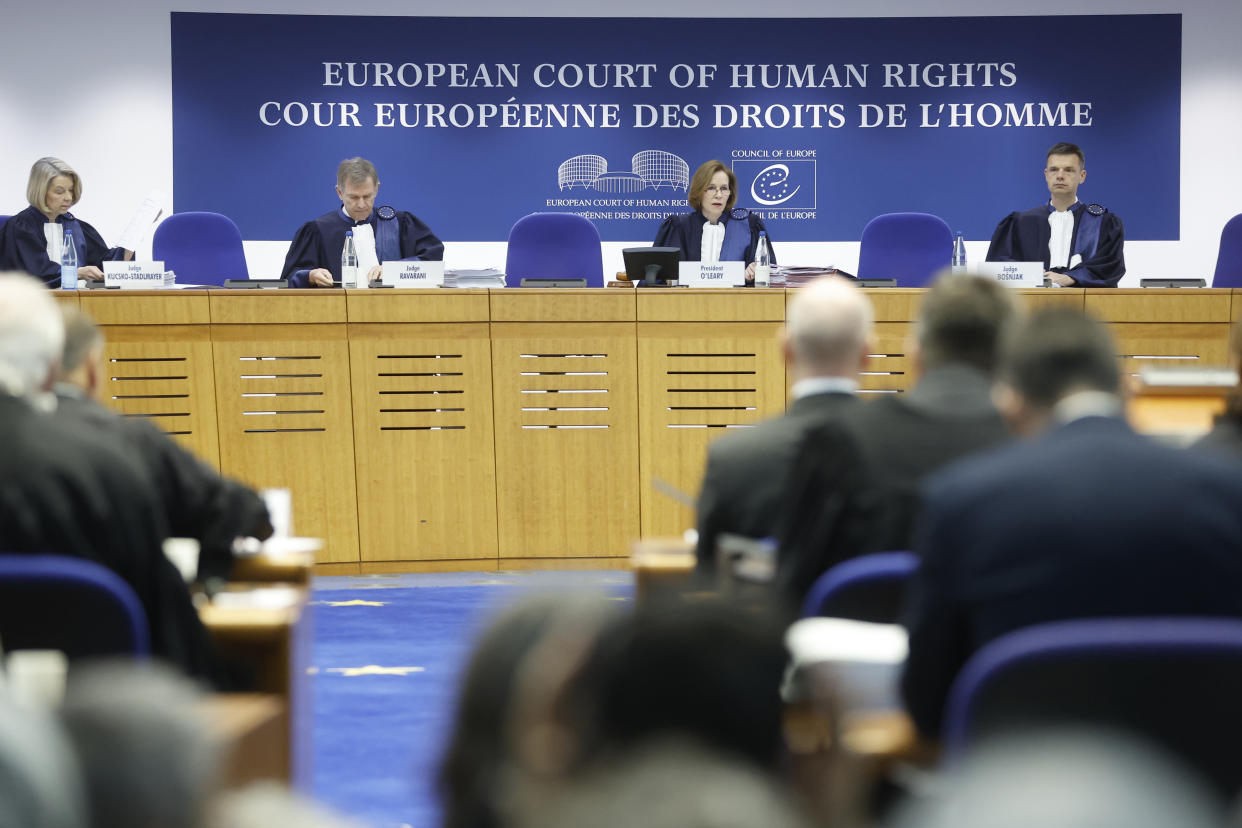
x,y
827,333
269,805
529,651
198,502
1225,438
68,491
1067,779
146,749
669,784
948,413
1085,519
40,785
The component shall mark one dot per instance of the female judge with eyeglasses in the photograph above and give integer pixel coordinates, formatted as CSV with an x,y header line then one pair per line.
x,y
715,231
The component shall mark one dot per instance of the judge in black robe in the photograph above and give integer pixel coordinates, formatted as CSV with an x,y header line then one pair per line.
x,y
712,193
316,249
1098,237
52,189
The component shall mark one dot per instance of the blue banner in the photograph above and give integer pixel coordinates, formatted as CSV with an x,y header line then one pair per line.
x,y
475,122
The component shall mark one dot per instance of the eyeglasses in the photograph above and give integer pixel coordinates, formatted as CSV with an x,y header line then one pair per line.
x,y
716,190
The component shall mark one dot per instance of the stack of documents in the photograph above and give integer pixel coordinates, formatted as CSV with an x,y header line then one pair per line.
x,y
485,278
798,276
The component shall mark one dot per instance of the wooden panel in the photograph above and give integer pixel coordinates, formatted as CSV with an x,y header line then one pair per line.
x,y
894,304
423,441
283,406
165,373
1160,305
1171,345
417,305
260,307
731,305
68,298
888,368
147,307
563,305
566,417
697,383
1040,298
1235,302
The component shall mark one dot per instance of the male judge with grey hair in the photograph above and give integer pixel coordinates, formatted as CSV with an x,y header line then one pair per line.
x,y
827,334
381,234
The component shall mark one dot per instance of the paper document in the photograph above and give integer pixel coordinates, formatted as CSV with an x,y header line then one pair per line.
x,y
148,212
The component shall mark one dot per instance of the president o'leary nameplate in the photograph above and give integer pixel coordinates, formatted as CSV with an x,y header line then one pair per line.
x,y
1014,274
401,274
716,275
145,275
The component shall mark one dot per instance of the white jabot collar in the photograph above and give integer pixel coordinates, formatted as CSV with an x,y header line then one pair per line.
x,y
1086,404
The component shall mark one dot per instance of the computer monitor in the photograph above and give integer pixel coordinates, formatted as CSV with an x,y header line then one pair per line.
x,y
652,265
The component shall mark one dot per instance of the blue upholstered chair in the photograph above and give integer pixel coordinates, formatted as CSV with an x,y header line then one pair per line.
x,y
866,588
908,247
1229,257
554,245
203,248
52,602
1173,680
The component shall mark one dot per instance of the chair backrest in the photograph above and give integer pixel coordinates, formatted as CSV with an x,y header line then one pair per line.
x,y
550,245
1229,257
70,604
908,247
203,248
867,588
1174,681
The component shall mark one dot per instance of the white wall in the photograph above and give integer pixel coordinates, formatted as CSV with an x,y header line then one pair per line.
x,y
98,93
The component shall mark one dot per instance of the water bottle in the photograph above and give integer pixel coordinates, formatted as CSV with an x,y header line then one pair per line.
x,y
68,263
959,253
349,262
763,262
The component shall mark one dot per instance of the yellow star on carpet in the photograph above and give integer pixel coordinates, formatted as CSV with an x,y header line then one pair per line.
x,y
353,603
375,670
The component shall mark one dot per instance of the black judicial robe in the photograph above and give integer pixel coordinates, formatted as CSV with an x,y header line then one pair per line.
x,y
1024,236
685,230
67,491
197,502
318,243
24,247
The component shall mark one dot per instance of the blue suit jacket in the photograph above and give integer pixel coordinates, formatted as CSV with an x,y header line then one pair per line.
x,y
1089,520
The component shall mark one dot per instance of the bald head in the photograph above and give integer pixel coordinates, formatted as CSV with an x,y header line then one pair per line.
x,y
827,329
31,335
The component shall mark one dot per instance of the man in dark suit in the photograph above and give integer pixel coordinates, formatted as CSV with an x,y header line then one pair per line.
x,y
948,413
197,502
67,491
1086,519
827,331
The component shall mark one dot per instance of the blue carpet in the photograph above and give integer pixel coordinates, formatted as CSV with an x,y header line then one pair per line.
x,y
379,734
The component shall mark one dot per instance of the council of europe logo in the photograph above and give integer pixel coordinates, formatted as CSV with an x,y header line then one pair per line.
x,y
772,183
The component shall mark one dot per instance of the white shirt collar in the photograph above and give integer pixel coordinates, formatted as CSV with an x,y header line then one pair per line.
x,y
1061,223
713,241
824,385
1086,404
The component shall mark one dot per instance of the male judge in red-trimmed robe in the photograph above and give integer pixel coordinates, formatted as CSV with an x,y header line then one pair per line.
x,y
1080,245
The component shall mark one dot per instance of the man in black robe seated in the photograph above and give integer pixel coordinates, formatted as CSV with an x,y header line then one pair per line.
x,y
1080,245
381,234
197,502
65,490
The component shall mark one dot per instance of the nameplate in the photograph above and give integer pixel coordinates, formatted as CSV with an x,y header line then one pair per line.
x,y
413,274
144,275
1013,274
718,275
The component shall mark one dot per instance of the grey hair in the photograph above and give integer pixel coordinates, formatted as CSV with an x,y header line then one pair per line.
x,y
40,786
41,175
32,335
356,170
